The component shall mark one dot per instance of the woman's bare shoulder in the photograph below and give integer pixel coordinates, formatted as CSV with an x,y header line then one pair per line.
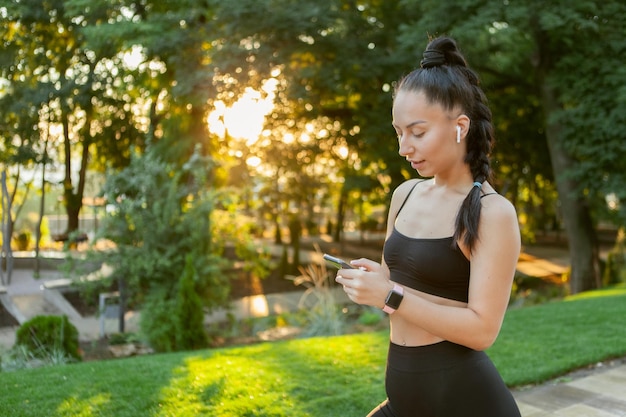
x,y
497,204
399,195
497,213
403,190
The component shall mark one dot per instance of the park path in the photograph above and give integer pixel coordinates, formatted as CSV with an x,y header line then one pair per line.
x,y
599,391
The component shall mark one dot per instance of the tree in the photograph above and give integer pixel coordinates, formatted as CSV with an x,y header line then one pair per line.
x,y
19,150
161,216
333,70
590,82
335,67
11,209
157,221
550,40
84,89
564,52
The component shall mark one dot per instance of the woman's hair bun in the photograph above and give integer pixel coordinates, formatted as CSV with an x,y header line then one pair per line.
x,y
442,51
432,58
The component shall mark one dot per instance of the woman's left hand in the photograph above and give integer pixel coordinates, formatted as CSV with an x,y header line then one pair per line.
x,y
366,284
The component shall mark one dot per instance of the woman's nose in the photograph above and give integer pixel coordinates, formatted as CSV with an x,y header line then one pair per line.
x,y
404,146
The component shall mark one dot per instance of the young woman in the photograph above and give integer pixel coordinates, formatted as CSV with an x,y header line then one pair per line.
x,y
450,253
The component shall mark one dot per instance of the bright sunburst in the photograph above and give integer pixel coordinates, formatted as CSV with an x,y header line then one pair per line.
x,y
245,118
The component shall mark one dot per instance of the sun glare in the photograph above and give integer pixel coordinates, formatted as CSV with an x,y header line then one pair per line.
x,y
254,161
133,58
246,117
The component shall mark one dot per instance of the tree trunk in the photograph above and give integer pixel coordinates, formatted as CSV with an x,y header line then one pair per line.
x,y
73,199
295,232
72,209
341,211
6,260
122,303
42,206
583,245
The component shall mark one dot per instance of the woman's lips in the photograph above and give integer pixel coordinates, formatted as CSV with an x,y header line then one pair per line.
x,y
417,164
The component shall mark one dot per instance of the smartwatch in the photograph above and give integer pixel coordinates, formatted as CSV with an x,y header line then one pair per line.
x,y
394,298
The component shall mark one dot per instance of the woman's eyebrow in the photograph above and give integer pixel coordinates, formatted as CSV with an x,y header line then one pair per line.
x,y
410,125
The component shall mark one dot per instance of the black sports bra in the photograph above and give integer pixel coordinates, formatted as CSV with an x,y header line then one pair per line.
x,y
434,266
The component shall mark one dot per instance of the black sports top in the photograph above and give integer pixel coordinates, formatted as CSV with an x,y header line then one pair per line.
x,y
434,266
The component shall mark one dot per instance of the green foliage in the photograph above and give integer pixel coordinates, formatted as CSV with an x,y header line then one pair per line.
x,y
615,267
370,317
333,70
334,67
189,312
326,102
589,78
529,290
232,229
158,326
553,75
44,334
21,357
161,215
51,78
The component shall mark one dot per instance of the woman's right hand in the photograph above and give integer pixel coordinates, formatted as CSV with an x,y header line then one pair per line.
x,y
367,284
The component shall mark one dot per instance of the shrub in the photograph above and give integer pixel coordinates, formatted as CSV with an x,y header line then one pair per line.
x,y
189,311
43,335
156,322
172,323
370,317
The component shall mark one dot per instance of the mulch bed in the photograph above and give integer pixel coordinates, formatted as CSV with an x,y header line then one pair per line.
x,y
84,307
6,319
247,285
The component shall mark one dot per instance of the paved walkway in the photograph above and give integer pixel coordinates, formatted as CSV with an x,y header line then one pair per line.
x,y
597,392
600,392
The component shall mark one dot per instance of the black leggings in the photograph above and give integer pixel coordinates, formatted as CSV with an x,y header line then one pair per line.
x,y
443,380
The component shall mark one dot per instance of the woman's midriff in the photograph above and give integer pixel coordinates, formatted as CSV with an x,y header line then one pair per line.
x,y
404,333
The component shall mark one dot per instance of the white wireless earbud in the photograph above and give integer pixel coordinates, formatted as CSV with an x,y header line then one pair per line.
x,y
458,134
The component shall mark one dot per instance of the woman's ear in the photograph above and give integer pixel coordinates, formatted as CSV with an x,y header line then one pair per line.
x,y
463,122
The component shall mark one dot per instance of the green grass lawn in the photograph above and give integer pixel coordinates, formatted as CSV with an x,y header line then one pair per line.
x,y
334,376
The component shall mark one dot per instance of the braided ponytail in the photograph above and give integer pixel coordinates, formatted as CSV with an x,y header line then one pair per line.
x,y
446,79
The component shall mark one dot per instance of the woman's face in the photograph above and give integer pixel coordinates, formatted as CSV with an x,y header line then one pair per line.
x,y
426,134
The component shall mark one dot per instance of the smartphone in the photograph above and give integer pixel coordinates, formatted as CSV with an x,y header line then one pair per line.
x,y
339,263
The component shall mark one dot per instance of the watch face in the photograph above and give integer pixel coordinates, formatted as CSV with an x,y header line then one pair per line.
x,y
394,299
